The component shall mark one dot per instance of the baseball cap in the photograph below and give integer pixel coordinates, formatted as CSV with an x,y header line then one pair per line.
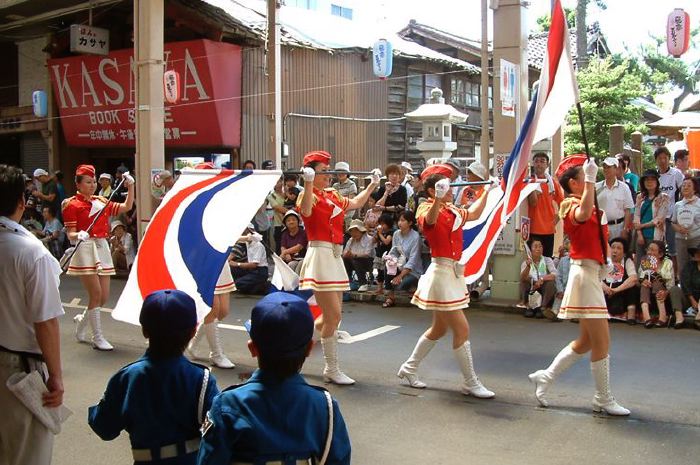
x,y
281,326
342,166
407,166
106,176
40,172
168,310
268,165
611,161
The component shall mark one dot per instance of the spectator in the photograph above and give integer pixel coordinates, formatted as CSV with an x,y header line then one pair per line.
x,y
670,180
268,165
294,241
249,165
29,187
419,196
542,205
276,417
60,188
291,194
383,241
688,294
621,176
162,398
649,212
262,223
105,182
48,195
290,181
275,201
455,177
167,180
537,275
346,188
656,276
30,337
371,218
405,246
686,222
358,254
475,172
615,199
31,219
682,162
52,235
250,274
407,176
563,266
119,194
629,176
620,282
122,245
392,197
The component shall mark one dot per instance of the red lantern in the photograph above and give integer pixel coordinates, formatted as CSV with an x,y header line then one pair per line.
x,y
171,86
678,32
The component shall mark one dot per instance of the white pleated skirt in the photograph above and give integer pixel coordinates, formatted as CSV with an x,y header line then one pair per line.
x,y
583,296
225,283
92,257
441,287
322,269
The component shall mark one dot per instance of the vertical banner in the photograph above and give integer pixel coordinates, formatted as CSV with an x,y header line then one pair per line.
x,y
509,86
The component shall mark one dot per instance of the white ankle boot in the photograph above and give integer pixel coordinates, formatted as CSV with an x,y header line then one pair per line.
x,y
216,356
410,367
603,401
81,326
331,371
98,340
543,379
472,386
191,350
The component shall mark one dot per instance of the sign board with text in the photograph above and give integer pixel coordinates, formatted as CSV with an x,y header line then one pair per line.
x,y
96,96
88,39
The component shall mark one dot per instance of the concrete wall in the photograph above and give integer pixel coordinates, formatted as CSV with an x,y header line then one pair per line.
x,y
31,69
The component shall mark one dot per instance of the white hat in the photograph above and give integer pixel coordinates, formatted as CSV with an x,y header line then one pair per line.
x,y
611,161
105,176
251,226
479,170
40,172
116,224
407,165
357,224
290,213
342,166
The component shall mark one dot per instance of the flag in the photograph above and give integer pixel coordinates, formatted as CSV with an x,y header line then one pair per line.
x,y
284,279
190,235
556,93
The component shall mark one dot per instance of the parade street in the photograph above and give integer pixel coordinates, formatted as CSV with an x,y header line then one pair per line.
x,y
655,375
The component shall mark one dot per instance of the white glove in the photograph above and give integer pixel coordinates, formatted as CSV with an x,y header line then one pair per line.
x,y
376,176
128,179
83,235
610,266
308,174
441,188
590,169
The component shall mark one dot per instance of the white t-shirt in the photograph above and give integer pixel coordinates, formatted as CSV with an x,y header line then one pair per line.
x,y
687,214
541,269
669,183
29,280
256,253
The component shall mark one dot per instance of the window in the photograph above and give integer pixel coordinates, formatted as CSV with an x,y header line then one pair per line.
x,y
466,93
419,87
337,10
305,4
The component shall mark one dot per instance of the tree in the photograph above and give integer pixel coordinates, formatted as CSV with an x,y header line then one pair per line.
x,y
544,21
606,91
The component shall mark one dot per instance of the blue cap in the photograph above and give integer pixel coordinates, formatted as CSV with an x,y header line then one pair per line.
x,y
281,325
167,310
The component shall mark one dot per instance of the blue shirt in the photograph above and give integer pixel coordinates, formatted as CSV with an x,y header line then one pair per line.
x,y
268,419
155,401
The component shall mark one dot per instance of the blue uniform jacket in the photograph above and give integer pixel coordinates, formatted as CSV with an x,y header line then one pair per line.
x,y
155,401
268,419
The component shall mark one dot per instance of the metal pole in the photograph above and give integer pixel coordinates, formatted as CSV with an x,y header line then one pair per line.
x,y
274,83
485,139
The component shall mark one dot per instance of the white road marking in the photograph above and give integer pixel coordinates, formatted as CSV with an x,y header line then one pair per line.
x,y
233,327
75,303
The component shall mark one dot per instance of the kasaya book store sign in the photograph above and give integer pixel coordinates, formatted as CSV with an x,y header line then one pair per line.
x,y
96,96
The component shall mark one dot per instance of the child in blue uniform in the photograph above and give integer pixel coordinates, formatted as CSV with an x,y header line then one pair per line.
x,y
276,417
162,398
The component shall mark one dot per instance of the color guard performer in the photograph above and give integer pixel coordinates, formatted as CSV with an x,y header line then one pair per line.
x,y
583,297
92,260
219,310
322,270
442,288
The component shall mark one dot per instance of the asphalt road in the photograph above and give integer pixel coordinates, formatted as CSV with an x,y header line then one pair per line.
x,y
655,374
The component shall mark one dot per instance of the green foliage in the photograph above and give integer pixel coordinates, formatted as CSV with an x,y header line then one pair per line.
x,y
544,21
606,90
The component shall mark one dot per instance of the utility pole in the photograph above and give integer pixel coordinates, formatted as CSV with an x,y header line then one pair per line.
x,y
148,61
485,139
274,83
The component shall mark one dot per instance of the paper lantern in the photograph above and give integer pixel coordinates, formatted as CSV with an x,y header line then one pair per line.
x,y
40,103
382,58
678,32
171,86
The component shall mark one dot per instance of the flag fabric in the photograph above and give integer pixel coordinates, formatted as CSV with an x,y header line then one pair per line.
x,y
556,93
190,235
284,279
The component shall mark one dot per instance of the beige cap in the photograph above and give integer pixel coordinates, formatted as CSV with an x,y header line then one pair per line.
x,y
358,224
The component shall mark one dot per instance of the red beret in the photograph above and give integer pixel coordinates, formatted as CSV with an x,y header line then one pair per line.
x,y
205,165
445,170
569,162
85,170
317,155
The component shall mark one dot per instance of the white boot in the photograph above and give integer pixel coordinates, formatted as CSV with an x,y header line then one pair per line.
x,y
604,400
472,385
543,379
331,371
81,327
410,367
216,356
98,340
191,350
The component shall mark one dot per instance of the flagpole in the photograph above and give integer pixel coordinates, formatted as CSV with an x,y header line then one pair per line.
x,y
601,236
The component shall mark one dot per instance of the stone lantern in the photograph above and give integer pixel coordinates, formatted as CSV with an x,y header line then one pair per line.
x,y
437,119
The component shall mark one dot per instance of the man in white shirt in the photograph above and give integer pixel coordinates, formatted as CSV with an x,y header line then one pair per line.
x,y
407,171
30,305
251,275
358,254
615,199
670,181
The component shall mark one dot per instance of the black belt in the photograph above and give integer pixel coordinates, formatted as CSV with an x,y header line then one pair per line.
x,y
24,357
617,221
